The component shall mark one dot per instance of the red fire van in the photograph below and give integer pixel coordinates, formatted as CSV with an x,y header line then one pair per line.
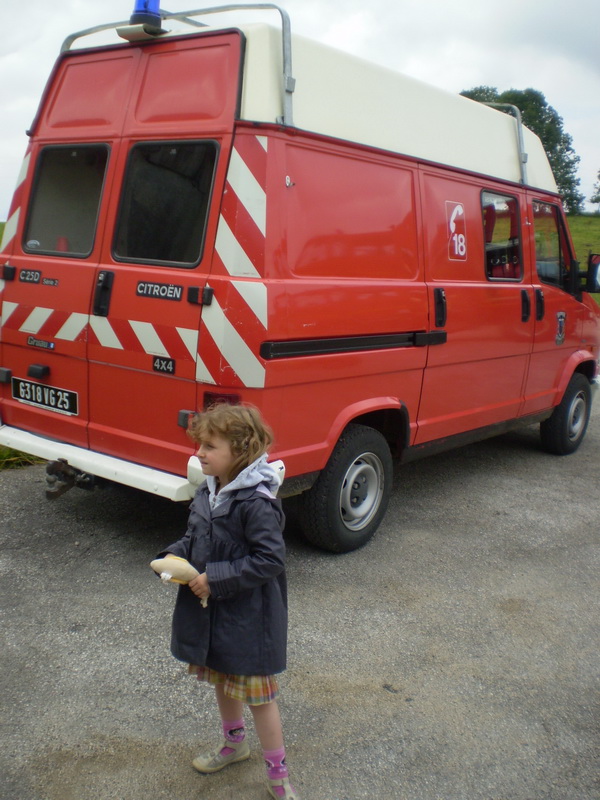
x,y
214,212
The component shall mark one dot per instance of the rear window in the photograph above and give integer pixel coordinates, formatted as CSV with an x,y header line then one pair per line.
x,y
165,201
65,200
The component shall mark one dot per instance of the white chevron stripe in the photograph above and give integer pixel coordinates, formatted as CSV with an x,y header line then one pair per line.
x,y
7,310
23,171
36,319
263,142
149,338
106,335
190,339
202,373
255,294
72,327
234,349
232,254
10,229
249,191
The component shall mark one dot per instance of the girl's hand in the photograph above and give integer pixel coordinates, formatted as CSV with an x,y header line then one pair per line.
x,y
199,586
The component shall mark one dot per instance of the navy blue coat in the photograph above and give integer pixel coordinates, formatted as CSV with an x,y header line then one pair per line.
x,y
243,631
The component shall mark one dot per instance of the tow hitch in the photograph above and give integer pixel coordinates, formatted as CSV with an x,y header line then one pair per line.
x,y
61,476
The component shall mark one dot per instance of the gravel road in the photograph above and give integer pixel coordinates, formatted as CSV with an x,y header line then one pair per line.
x,y
452,658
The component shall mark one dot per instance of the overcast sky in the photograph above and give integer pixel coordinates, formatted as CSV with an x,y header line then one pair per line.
x,y
553,47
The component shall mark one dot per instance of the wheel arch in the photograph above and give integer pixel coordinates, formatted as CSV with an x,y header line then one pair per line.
x,y
388,415
581,361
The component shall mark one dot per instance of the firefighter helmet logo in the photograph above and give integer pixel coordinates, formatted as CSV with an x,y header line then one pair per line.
x,y
561,318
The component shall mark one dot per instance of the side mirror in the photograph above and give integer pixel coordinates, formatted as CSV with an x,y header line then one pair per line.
x,y
592,280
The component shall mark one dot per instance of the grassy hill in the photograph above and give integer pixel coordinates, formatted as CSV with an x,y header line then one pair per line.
x,y
585,230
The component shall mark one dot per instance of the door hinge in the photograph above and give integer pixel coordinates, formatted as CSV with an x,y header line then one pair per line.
x,y
200,297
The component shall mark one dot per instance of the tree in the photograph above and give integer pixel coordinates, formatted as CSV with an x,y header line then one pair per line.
x,y
595,198
543,120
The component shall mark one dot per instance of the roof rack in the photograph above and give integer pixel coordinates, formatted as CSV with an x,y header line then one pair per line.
x,y
516,113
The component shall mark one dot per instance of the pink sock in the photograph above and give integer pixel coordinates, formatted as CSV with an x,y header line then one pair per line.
x,y
276,767
233,731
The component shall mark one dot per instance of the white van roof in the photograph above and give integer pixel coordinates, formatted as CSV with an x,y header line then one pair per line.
x,y
339,95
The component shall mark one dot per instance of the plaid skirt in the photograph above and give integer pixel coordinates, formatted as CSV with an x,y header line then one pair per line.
x,y
255,690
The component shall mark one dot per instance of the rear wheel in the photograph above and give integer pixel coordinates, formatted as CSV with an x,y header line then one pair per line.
x,y
344,508
563,432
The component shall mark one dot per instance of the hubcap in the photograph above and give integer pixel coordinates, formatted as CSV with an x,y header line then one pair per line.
x,y
577,415
361,492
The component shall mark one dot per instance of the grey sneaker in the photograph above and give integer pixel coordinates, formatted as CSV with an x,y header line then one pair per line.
x,y
289,793
214,761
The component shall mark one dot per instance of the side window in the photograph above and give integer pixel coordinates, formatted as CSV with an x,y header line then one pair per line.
x,y
65,200
501,234
165,202
551,248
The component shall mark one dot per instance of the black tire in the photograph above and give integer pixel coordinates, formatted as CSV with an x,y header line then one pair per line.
x,y
344,508
563,432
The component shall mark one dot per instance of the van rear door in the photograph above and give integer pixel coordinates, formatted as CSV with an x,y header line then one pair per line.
x,y
46,297
143,343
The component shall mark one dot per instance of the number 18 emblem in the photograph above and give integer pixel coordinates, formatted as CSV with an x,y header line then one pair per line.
x,y
457,231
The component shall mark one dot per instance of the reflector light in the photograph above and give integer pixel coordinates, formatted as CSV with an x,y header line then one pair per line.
x,y
146,12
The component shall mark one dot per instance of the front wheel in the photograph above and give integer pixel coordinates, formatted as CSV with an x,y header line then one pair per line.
x,y
563,432
344,508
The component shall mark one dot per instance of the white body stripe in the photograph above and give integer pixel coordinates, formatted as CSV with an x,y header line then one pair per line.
x,y
7,310
190,339
72,327
249,191
23,171
263,142
36,319
232,253
255,294
202,373
233,347
103,330
149,338
10,229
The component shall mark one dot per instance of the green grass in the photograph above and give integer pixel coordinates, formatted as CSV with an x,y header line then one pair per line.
x,y
11,459
585,231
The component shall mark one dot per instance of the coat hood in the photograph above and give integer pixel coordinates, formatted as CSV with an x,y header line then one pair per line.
x,y
259,473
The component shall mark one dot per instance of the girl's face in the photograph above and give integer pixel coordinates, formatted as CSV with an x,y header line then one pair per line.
x,y
216,458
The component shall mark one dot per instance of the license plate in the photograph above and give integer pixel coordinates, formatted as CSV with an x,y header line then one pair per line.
x,y
51,398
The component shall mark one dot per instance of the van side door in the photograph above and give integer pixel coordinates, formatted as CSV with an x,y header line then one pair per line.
x,y
475,277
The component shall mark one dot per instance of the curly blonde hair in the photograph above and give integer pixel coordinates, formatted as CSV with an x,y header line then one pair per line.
x,y
242,426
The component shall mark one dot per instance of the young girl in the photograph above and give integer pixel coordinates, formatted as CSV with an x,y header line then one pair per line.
x,y
234,539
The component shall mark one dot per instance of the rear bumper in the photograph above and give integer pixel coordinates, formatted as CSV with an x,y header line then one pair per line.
x,y
164,484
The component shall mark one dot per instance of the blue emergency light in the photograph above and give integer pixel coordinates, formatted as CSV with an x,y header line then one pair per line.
x,y
146,12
